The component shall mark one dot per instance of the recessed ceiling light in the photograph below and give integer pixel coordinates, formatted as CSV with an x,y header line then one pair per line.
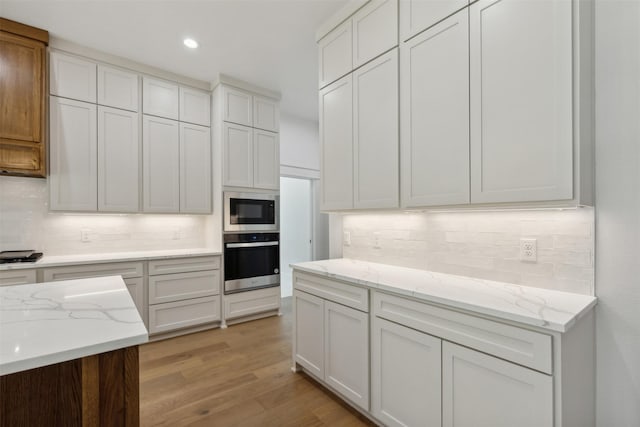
x,y
190,43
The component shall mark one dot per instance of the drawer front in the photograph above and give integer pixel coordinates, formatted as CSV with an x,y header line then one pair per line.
x,y
252,302
340,292
17,277
181,286
522,346
125,269
175,315
184,265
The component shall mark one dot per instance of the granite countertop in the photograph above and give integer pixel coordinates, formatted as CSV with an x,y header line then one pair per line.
x,y
548,309
62,260
46,323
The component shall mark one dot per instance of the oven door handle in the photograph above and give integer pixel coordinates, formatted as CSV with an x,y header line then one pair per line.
x,y
251,245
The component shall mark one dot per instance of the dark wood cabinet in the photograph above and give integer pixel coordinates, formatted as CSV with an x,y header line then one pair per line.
x,y
23,91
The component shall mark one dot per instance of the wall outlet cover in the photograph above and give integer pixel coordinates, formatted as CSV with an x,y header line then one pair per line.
x,y
528,250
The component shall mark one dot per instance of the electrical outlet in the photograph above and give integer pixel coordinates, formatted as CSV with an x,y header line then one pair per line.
x,y
346,238
528,250
176,234
84,235
376,240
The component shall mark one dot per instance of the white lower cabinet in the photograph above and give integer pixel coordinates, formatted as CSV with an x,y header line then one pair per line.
x,y
308,322
182,314
251,303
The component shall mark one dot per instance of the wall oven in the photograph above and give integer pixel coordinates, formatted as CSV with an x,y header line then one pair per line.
x,y
251,212
251,261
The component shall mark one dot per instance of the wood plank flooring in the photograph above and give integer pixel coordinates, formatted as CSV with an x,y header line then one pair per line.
x,y
240,376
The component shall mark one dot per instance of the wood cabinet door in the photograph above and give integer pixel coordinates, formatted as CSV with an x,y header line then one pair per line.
x,y
418,15
481,390
237,106
308,332
335,57
72,77
435,115
160,98
266,159
238,155
266,114
195,169
336,144
405,375
117,88
73,159
375,133
375,30
195,106
118,160
346,352
161,165
521,101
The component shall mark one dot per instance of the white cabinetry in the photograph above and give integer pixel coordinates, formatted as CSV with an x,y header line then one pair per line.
x,y
117,88
435,115
238,155
17,277
418,15
251,304
161,163
237,106
160,98
375,30
72,77
195,169
195,106
266,114
308,320
335,57
266,160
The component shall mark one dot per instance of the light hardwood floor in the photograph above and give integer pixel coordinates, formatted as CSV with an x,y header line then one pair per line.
x,y
240,376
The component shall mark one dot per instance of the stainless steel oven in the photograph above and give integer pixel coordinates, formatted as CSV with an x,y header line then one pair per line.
x,y
251,212
251,261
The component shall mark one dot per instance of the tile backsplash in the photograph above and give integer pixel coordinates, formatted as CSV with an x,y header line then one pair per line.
x,y
483,244
26,223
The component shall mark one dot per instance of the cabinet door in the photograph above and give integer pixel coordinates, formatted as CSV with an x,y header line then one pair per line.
x,y
375,30
17,277
238,155
266,114
117,88
346,350
375,133
481,390
118,160
195,106
336,145
266,159
160,98
72,77
195,169
405,375
521,101
335,54
308,336
237,106
435,115
73,155
181,314
418,15
161,165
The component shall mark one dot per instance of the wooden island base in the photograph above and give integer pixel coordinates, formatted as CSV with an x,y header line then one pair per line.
x,y
98,390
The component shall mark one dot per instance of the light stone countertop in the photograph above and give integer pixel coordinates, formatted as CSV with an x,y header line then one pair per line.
x,y
548,309
62,260
46,323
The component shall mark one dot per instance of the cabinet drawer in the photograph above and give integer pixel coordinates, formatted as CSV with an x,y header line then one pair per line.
x,y
175,315
252,302
522,346
340,292
181,286
125,269
184,265
17,277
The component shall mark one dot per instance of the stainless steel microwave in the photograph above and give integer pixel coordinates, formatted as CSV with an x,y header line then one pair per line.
x,y
251,212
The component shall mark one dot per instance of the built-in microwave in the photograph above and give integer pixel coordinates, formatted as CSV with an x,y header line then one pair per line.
x,y
251,211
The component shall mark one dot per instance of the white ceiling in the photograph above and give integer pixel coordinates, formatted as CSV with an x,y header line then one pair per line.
x,y
270,43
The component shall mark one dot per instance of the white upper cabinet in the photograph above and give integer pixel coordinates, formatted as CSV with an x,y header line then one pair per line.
x,y
335,56
72,156
336,144
161,165
237,149
237,106
195,106
418,15
435,115
521,101
195,169
72,77
375,30
375,133
117,88
266,160
266,114
160,98
118,160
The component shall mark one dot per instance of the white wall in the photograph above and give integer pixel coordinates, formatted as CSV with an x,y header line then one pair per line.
x,y
299,145
618,212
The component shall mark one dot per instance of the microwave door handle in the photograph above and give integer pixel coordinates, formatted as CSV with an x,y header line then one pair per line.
x,y
251,245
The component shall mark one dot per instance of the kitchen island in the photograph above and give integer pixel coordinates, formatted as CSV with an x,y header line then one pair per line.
x,y
68,353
